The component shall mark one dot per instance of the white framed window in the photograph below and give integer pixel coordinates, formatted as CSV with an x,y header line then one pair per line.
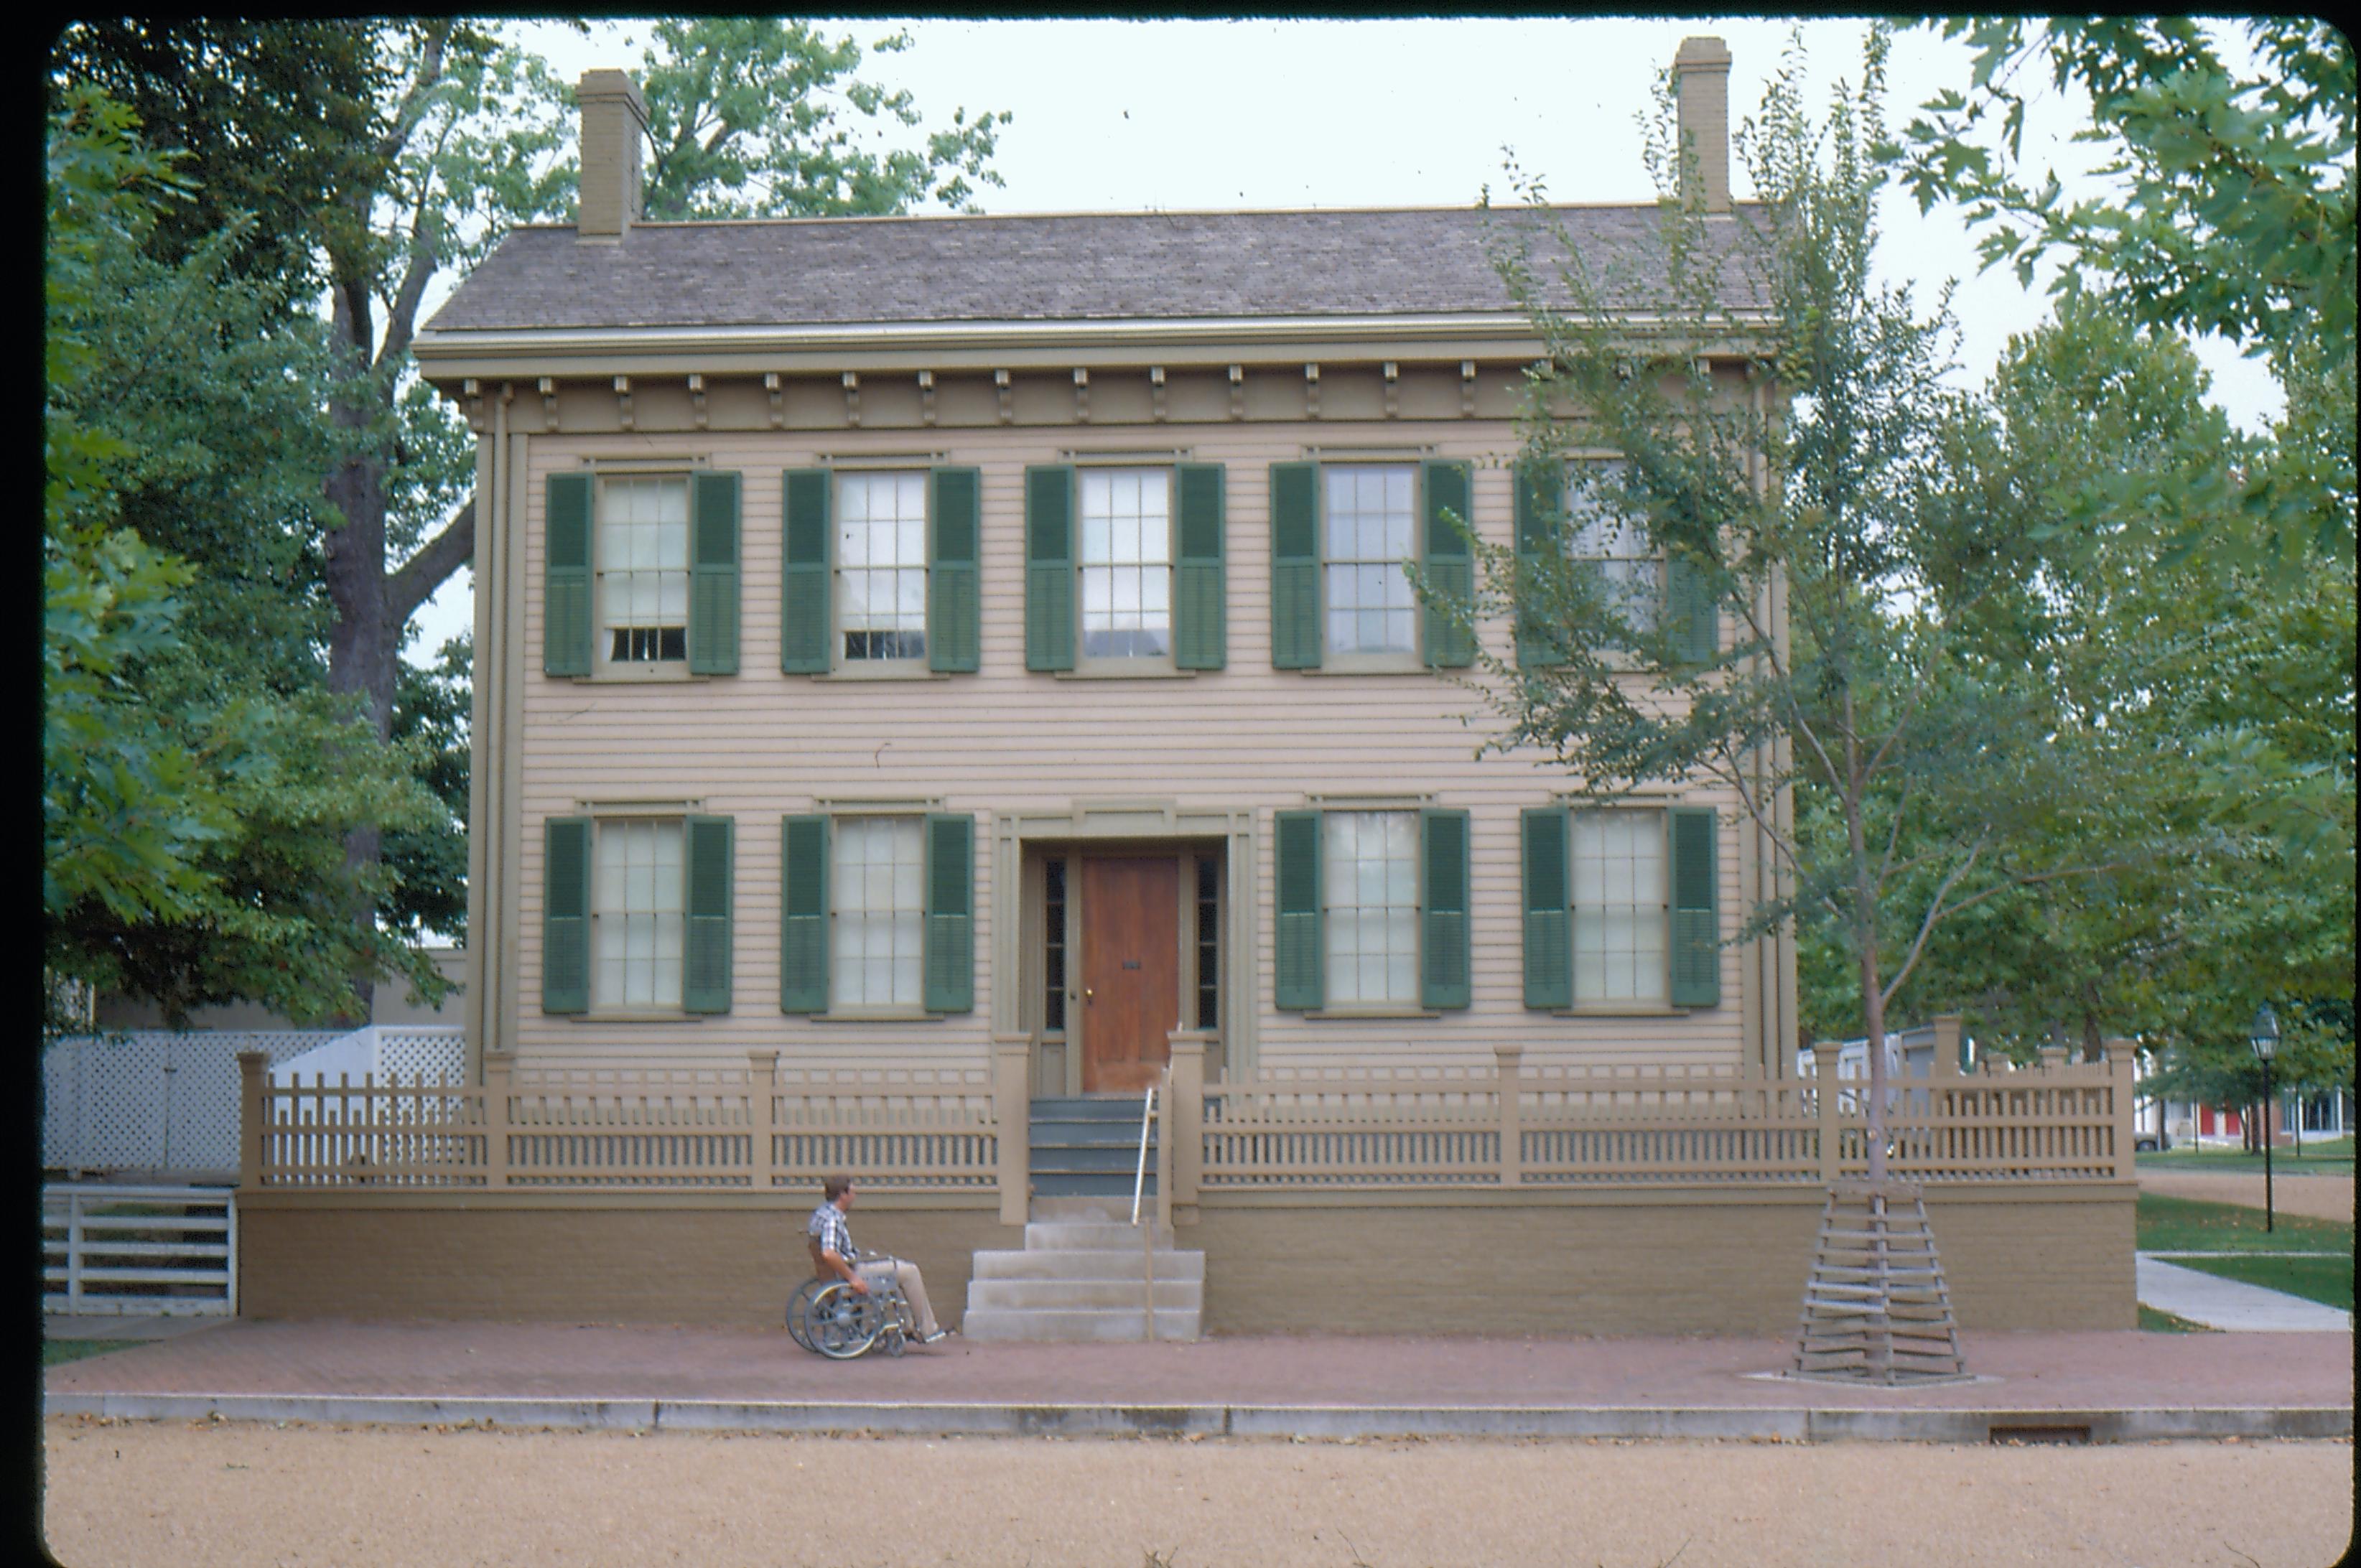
x,y
877,894
1125,562
1370,913
639,914
1621,920
881,567
1370,515
1598,530
643,564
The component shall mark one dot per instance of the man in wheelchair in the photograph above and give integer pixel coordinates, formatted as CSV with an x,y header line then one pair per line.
x,y
830,1241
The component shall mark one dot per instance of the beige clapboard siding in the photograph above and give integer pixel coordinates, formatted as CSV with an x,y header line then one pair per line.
x,y
762,743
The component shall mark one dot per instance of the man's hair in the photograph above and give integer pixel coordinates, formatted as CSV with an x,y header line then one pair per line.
x,y
835,1187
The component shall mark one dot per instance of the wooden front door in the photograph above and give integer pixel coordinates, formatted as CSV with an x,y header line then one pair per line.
x,y
1131,964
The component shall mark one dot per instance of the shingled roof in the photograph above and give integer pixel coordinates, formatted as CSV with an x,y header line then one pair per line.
x,y
1057,267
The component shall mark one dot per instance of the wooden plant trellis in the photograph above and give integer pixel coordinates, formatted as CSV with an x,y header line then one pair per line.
x,y
1875,1309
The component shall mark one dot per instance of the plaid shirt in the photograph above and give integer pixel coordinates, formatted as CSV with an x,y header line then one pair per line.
x,y
829,1229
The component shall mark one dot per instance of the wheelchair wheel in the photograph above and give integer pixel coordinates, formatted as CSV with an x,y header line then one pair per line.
x,y
843,1323
799,1306
896,1340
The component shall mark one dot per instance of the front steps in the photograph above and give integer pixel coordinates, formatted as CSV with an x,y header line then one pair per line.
x,y
1081,1278
1087,1147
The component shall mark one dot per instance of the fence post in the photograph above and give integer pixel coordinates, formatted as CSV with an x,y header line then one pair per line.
x,y
1012,1120
761,1118
497,1065
1824,1095
2122,1057
1947,1046
1507,1061
2052,1058
1185,1119
252,1109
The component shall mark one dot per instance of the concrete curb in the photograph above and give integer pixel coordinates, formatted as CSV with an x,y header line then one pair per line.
x,y
924,1420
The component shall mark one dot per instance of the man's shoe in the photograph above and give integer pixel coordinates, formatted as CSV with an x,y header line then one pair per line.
x,y
938,1334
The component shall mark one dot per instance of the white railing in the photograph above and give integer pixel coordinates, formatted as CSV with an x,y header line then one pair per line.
x,y
138,1251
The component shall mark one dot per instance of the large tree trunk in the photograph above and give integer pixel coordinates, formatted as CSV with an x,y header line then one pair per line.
x,y
362,643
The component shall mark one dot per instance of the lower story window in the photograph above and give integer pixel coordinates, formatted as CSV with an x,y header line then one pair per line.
x,y
1370,868
1620,921
639,913
877,886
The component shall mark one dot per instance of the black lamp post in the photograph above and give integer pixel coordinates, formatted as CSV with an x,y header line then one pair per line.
x,y
2264,1037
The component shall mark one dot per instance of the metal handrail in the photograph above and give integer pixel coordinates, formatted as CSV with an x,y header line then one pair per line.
x,y
1139,1178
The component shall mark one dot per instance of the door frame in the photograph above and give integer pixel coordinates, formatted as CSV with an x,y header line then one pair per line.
x,y
1120,827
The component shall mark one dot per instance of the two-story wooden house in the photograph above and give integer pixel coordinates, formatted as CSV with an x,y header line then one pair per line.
x,y
973,650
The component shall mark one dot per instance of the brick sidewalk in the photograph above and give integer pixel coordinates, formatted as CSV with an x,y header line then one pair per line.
x,y
2108,1370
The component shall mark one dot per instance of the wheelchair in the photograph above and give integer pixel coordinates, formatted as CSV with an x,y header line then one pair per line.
x,y
829,1317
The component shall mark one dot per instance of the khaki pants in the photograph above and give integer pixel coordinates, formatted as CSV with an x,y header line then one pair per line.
x,y
905,1274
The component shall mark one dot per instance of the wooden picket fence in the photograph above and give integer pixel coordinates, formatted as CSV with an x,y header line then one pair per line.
x,y
758,1129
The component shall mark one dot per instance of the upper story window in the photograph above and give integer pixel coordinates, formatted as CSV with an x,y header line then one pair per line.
x,y
643,565
640,575
1126,563
879,571
1341,535
1601,532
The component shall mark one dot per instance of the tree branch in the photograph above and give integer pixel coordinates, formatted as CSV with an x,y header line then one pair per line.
x,y
416,579
1935,912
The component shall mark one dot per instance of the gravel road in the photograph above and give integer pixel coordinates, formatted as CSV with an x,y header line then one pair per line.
x,y
132,1493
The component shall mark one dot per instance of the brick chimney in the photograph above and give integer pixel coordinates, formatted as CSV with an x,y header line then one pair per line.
x,y
614,123
1701,80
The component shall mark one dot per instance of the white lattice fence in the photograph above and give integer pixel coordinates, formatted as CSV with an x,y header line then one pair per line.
x,y
151,1099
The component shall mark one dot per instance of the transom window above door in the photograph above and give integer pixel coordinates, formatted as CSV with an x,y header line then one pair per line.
x,y
643,562
881,560
1126,563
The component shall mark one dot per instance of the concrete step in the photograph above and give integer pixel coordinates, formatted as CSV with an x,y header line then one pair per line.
x,y
1111,1159
1084,1235
1063,1294
1080,1265
1076,1324
1088,1108
1087,1183
1105,1210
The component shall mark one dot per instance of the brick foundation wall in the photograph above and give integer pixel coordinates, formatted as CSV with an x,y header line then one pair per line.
x,y
1626,1263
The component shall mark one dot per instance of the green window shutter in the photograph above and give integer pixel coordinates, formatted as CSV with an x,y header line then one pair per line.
x,y
803,914
713,575
950,914
1444,961
1549,930
807,607
1300,957
1691,613
1049,567
705,958
1541,495
1696,930
1450,564
1200,625
565,580
1295,631
566,915
953,592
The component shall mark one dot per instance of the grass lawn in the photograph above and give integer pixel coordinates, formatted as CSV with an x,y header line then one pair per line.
x,y
2324,1157
56,1352
2327,1281
2184,1224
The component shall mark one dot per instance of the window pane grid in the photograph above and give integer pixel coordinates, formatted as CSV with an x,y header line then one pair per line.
x,y
642,555
875,883
881,558
638,908
1369,864
1620,916
1126,563
1596,531
1370,515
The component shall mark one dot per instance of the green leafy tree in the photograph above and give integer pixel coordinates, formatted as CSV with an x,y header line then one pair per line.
x,y
1801,499
2229,207
199,779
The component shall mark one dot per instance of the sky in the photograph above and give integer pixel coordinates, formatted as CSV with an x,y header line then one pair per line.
x,y
1182,114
